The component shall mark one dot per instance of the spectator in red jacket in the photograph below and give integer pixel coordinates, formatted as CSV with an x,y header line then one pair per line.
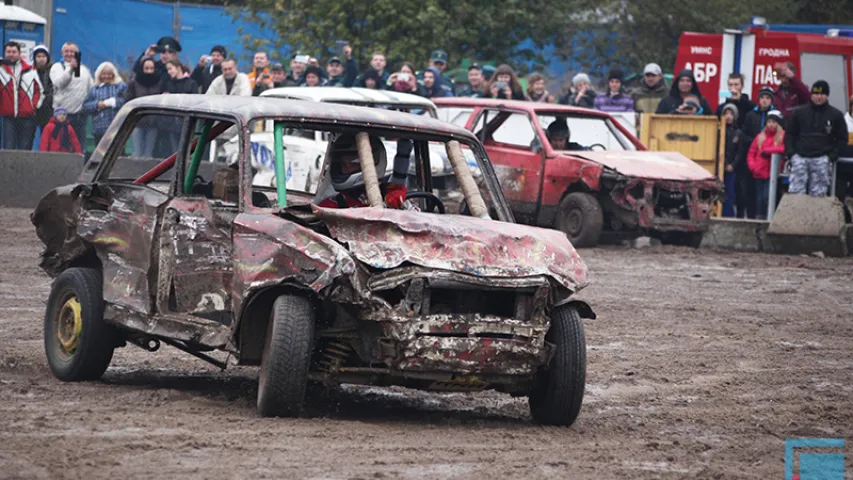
x,y
20,98
59,135
792,92
770,141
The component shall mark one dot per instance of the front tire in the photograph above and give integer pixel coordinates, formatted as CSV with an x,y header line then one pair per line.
x,y
286,358
581,219
78,343
557,397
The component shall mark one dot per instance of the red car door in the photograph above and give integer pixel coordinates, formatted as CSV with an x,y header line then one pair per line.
x,y
516,152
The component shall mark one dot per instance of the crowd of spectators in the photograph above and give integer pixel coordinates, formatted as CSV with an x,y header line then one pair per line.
x,y
60,100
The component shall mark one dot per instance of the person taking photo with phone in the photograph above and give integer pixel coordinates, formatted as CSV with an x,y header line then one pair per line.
x,y
168,49
504,84
209,67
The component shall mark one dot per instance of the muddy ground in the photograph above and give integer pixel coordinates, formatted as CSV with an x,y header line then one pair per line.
x,y
700,365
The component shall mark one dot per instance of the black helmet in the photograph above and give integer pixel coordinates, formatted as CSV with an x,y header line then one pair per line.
x,y
558,129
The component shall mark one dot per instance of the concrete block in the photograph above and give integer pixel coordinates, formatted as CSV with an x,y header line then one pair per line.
x,y
804,225
808,216
737,234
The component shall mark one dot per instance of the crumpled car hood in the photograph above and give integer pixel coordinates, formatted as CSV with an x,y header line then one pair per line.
x,y
645,164
385,238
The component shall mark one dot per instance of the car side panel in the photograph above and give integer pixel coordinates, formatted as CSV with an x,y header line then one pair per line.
x,y
120,221
563,173
520,174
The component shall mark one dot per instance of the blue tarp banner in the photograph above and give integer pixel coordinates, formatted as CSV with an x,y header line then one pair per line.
x,y
120,30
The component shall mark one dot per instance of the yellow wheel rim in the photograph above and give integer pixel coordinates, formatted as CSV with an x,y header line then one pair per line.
x,y
70,324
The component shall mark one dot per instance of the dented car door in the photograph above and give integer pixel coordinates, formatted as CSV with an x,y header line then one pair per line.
x,y
195,258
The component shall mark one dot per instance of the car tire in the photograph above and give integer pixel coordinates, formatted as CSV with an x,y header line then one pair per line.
x,y
78,343
286,358
581,219
682,239
558,394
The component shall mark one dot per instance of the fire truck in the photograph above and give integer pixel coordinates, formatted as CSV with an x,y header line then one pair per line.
x,y
755,49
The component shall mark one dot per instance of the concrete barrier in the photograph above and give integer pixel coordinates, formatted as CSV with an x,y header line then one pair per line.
x,y
804,224
25,177
737,234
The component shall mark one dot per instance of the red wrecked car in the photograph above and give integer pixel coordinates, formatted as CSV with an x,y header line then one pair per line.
x,y
580,171
401,291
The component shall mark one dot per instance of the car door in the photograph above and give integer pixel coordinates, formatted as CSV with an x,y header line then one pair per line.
x,y
119,218
515,151
195,264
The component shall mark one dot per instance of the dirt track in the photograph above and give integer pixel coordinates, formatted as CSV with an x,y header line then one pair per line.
x,y
700,365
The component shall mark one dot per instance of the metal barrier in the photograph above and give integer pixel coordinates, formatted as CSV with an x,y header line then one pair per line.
x,y
775,164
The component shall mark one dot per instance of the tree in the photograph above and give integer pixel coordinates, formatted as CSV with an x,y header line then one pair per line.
x,y
630,34
404,30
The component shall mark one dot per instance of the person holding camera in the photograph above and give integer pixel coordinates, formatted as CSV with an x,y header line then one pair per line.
x,y
209,67
260,69
405,80
275,79
168,49
683,88
298,63
581,94
71,83
504,85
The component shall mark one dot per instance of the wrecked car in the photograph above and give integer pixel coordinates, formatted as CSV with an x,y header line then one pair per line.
x,y
583,173
332,287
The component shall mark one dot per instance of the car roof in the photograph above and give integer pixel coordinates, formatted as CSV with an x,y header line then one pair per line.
x,y
532,107
249,108
349,95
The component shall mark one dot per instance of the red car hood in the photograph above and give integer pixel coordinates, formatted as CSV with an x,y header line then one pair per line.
x,y
385,238
645,164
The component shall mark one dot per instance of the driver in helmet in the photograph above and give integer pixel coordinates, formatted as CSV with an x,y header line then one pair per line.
x,y
346,176
559,135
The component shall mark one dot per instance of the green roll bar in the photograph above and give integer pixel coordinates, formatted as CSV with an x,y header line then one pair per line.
x,y
280,172
192,171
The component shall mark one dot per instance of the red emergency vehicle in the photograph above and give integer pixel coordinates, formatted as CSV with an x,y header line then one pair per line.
x,y
756,49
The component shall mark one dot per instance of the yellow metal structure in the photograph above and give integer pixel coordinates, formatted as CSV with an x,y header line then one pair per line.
x,y
701,138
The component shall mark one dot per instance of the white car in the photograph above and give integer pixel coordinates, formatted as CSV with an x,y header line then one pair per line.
x,y
305,149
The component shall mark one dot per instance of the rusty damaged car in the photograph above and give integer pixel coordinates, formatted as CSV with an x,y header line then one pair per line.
x,y
596,178
429,297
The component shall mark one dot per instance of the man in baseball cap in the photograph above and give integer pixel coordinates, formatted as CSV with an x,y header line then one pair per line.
x,y
438,60
651,90
816,135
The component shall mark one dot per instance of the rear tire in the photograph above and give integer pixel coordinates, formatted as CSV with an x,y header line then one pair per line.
x,y
78,343
557,397
581,219
286,358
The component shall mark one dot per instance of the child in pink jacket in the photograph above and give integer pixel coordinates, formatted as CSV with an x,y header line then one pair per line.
x,y
770,141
